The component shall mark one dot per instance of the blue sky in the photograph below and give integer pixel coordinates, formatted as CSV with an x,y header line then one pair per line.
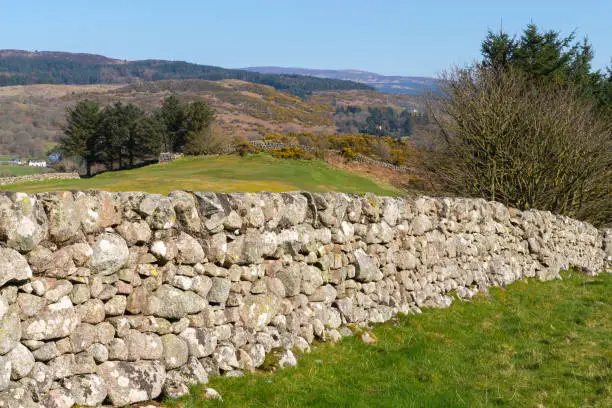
x,y
385,36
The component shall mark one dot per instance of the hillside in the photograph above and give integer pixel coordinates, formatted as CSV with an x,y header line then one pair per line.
x,y
32,116
223,174
19,67
393,84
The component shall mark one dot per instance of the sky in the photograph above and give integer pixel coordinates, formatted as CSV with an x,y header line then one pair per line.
x,y
392,37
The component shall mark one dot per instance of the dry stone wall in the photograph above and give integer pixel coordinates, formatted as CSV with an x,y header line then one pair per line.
x,y
38,177
117,298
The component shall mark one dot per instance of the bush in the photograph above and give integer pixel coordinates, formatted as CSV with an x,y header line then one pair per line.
x,y
524,143
291,153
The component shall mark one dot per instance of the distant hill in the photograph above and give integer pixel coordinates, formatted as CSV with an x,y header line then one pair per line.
x,y
19,67
392,84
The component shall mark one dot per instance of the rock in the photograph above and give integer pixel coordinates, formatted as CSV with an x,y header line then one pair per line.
x,y
80,293
118,350
225,357
92,311
178,381
291,277
176,351
311,279
23,224
47,352
86,390
159,211
5,372
57,290
99,352
258,310
170,302
365,269
10,328
30,304
287,359
58,398
53,321
135,232
13,267
64,216
190,251
110,253
115,306
368,338
21,360
201,342
82,337
212,394
219,290
131,382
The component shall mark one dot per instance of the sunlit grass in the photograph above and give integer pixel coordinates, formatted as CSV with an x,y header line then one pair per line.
x,y
222,174
531,345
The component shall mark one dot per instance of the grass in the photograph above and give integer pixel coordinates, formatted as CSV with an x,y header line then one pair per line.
x,y
222,174
20,170
530,345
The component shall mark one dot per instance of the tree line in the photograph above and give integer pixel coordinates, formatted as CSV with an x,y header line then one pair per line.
x,y
50,69
379,121
121,134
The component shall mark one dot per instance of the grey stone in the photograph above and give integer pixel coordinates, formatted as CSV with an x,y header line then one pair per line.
x,y
53,321
131,382
201,342
13,266
135,232
190,251
219,290
115,306
91,311
170,302
110,253
86,390
176,351
82,337
258,310
365,269
178,381
57,290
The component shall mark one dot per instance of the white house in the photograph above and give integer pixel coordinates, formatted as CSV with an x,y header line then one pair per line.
x,y
37,163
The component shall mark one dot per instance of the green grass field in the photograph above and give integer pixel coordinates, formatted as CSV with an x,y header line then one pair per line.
x,y
20,170
222,174
530,345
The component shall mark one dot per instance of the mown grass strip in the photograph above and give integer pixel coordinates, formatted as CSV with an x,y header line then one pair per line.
x,y
532,344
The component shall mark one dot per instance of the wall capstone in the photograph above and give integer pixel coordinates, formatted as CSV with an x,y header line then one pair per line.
x,y
118,298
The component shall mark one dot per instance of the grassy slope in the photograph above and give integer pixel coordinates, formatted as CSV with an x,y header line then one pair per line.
x,y
531,345
20,170
223,174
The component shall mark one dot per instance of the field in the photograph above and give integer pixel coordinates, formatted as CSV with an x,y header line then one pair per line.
x,y
19,170
530,345
222,174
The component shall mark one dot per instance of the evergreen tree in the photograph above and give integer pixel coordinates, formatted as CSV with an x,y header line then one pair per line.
x,y
172,115
200,139
82,123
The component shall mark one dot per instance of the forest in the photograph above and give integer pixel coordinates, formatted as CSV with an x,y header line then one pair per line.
x,y
21,68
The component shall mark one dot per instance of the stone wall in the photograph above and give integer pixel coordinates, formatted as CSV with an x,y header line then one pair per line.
x,y
122,297
38,177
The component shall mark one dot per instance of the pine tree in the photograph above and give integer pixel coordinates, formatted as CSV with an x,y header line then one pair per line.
x,y
80,130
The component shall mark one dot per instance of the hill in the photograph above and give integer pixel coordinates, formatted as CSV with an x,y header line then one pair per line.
x,y
223,174
19,67
393,84
32,116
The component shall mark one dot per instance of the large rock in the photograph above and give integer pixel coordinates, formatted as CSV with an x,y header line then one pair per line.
x,y
135,232
190,251
10,328
23,223
178,381
201,342
22,361
13,267
258,310
158,211
131,382
110,253
53,321
365,269
64,216
174,303
219,290
86,390
176,351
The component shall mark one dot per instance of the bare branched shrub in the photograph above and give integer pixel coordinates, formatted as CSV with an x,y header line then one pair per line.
x,y
524,144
